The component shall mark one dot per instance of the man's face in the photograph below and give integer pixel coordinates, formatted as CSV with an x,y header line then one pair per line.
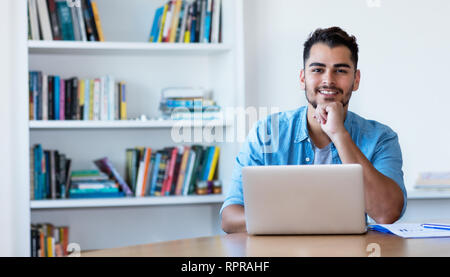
x,y
329,75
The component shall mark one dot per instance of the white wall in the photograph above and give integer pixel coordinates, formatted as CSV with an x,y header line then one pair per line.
x,y
14,162
404,61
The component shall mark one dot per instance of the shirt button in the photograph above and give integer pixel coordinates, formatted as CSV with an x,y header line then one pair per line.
x,y
307,159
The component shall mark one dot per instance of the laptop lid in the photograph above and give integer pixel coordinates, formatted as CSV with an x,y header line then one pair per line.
x,y
304,199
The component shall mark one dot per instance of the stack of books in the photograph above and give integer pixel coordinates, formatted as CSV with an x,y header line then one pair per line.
x,y
184,170
185,103
49,241
64,20
49,174
54,98
92,184
433,181
188,22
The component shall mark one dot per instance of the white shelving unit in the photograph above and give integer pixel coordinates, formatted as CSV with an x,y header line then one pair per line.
x,y
121,124
147,68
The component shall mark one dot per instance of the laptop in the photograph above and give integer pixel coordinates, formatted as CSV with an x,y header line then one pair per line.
x,y
304,199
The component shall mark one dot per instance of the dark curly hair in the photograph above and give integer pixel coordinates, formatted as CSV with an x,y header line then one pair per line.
x,y
333,36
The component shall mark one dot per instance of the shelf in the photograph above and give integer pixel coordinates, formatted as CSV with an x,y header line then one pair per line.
x,y
116,48
431,194
122,124
126,202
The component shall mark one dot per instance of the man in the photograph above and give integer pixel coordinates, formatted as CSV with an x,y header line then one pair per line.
x,y
325,132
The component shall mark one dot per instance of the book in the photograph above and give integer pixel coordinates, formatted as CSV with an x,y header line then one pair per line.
x,y
155,175
98,25
106,166
162,24
175,20
34,20
215,24
171,167
213,167
65,19
89,21
189,172
156,24
182,173
44,20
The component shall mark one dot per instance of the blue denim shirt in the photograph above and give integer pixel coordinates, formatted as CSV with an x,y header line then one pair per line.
x,y
288,143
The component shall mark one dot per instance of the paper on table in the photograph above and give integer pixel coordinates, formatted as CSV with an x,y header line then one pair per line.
x,y
409,230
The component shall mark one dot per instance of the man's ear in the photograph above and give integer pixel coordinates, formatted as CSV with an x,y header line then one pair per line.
x,y
302,79
357,79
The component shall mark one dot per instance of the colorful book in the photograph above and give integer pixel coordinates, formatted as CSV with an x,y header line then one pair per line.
x,y
98,24
215,159
65,19
168,181
182,172
106,166
155,170
156,24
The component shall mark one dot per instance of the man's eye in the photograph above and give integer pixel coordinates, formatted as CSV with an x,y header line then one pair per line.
x,y
341,71
317,70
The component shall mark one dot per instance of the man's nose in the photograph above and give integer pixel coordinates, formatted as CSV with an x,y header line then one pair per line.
x,y
328,78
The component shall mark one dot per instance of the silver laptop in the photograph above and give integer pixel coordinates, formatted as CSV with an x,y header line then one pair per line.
x,y
304,199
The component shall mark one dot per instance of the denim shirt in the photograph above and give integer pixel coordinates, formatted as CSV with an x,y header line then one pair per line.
x,y
283,139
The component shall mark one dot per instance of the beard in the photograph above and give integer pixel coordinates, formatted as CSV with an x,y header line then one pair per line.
x,y
314,102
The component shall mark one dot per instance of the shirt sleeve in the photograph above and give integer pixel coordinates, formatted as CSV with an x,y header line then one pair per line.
x,y
388,161
250,154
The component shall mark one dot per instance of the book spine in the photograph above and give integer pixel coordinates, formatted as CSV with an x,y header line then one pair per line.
x,y
175,19
168,22
156,24
82,27
44,20
96,111
215,160
91,99
56,85
81,99
166,188
217,7
44,101
75,24
189,172
98,25
34,20
89,24
148,152
207,27
87,98
155,174
62,99
56,31
162,24
123,102
51,93
182,173
75,99
106,166
65,20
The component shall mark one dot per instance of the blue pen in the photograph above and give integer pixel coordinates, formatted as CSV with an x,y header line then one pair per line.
x,y
436,226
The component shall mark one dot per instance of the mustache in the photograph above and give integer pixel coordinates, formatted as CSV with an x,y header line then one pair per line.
x,y
330,88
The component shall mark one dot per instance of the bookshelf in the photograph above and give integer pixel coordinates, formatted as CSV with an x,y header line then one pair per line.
x,y
122,124
147,68
118,48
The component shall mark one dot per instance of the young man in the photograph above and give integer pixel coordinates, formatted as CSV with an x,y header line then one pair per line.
x,y
325,132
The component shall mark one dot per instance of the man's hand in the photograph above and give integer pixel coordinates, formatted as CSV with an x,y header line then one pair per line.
x,y
331,119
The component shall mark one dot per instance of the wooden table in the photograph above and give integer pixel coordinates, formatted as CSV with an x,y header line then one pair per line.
x,y
244,245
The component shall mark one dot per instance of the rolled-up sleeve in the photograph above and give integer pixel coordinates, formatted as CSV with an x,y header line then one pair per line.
x,y
250,154
388,161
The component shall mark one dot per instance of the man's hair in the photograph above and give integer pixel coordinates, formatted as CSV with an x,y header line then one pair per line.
x,y
333,36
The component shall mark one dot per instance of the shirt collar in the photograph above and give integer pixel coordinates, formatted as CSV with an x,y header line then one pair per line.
x,y
302,124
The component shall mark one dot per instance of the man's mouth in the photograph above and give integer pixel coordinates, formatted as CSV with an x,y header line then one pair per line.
x,y
329,92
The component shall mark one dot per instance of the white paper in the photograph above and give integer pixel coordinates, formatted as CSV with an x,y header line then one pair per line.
x,y
410,230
